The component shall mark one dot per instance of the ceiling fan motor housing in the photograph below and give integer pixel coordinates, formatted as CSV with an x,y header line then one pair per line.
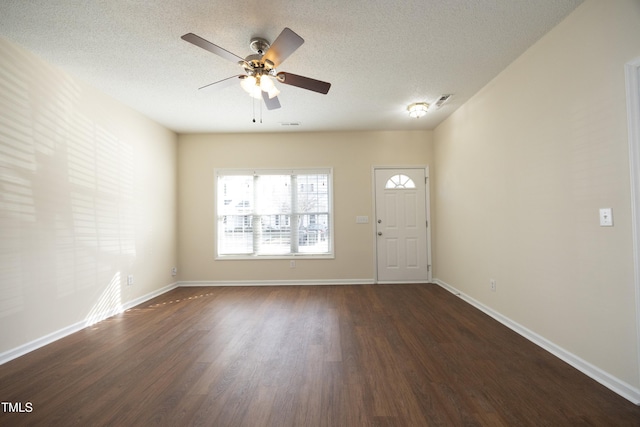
x,y
253,64
259,45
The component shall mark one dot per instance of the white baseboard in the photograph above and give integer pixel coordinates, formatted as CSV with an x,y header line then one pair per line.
x,y
403,282
614,384
276,282
95,317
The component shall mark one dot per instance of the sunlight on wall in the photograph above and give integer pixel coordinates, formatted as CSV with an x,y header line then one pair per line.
x,y
67,211
109,303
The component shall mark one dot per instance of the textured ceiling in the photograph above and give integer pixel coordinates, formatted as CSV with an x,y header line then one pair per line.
x,y
379,55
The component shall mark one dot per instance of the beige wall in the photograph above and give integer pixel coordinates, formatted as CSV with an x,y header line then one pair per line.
x,y
87,197
351,155
521,171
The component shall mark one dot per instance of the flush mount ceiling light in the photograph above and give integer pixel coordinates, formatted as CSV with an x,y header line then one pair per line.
x,y
418,109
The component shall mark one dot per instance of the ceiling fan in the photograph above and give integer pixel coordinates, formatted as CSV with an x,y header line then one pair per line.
x,y
260,67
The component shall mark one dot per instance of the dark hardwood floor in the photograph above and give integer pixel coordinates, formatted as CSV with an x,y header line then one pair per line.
x,y
374,355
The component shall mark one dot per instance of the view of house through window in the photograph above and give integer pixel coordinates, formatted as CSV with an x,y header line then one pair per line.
x,y
273,213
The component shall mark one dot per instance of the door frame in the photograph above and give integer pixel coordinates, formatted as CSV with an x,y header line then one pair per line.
x,y
632,73
427,214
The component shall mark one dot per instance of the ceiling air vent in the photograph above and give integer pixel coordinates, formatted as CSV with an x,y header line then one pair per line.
x,y
440,102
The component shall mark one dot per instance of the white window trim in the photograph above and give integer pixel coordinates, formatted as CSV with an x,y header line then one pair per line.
x,y
273,171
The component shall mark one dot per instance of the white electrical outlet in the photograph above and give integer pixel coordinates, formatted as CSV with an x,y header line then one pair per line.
x,y
130,280
292,264
606,217
174,271
492,283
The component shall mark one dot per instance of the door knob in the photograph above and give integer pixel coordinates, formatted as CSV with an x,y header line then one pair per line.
x,y
379,233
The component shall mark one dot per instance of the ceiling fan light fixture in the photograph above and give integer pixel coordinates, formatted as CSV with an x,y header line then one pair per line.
x,y
273,92
266,84
248,83
418,109
256,92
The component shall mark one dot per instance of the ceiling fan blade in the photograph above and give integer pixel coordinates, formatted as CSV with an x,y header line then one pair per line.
x,y
225,82
284,45
207,45
304,82
271,103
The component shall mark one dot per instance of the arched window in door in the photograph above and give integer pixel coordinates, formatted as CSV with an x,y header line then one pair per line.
x,y
399,182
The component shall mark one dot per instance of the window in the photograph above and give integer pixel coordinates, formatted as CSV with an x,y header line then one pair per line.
x,y
274,213
399,182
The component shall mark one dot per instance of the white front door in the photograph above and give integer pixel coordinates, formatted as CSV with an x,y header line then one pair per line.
x,y
401,225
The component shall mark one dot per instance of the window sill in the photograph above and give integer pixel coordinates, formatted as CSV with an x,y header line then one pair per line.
x,y
272,257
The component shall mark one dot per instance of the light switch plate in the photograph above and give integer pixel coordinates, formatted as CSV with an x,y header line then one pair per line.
x,y
362,220
606,217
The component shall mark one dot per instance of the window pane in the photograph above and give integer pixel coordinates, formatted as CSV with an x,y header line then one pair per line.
x,y
273,214
235,194
234,237
273,195
313,234
399,182
275,238
313,193
235,221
